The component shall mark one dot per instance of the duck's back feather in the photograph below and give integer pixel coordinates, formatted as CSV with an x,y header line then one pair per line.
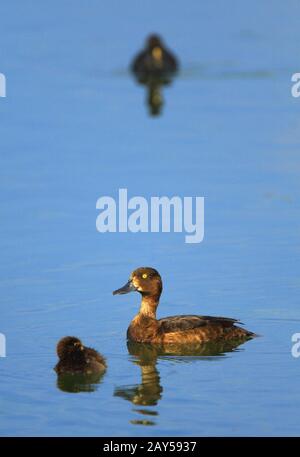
x,y
188,322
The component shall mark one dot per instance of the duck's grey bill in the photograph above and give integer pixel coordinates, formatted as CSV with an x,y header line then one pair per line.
x,y
129,287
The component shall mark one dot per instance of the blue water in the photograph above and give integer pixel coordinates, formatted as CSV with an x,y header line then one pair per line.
x,y
74,127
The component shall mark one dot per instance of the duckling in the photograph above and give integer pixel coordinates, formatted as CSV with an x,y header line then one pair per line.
x,y
155,60
190,329
76,358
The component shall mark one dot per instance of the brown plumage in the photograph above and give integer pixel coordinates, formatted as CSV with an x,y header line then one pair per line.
x,y
154,61
76,358
189,329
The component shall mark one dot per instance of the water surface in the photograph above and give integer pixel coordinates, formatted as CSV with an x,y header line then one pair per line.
x,y
74,127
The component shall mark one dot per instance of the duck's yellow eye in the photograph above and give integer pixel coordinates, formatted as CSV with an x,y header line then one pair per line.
x,y
144,276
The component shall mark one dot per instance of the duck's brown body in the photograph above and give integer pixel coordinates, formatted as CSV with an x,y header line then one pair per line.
x,y
155,61
184,329
190,329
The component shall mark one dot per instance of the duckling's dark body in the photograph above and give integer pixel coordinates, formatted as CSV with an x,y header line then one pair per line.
x,y
76,358
155,61
190,329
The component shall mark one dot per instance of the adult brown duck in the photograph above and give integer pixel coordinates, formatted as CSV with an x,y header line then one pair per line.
x,y
183,329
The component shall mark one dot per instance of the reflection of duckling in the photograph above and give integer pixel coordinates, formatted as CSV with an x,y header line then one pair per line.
x,y
154,61
145,328
79,382
76,358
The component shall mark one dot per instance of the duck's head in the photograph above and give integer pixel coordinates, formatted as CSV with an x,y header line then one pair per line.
x,y
68,345
155,47
154,41
145,280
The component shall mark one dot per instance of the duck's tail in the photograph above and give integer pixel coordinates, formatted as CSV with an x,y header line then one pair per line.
x,y
240,332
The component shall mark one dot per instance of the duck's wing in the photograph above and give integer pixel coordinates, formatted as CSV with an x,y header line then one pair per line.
x,y
182,323
137,64
171,61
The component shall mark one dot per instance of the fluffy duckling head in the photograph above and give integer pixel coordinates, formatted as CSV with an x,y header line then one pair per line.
x,y
145,280
69,345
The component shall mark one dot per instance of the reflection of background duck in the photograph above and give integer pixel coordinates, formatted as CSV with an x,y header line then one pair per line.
x,y
155,99
149,391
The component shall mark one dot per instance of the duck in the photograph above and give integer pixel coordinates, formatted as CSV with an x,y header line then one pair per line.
x,y
182,329
75,358
155,60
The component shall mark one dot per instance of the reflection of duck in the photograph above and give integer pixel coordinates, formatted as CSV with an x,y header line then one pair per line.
x,y
145,328
76,358
155,61
146,351
155,100
154,67
149,391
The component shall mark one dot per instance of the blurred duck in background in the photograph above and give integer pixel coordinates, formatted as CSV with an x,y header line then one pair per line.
x,y
154,67
154,61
